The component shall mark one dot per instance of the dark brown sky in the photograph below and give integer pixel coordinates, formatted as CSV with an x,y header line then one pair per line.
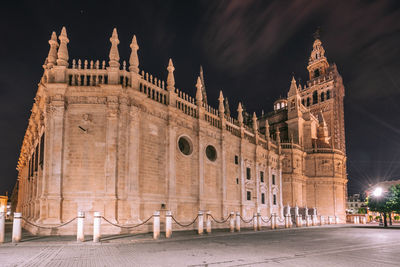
x,y
249,49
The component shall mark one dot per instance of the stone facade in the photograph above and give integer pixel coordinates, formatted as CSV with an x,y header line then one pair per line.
x,y
124,143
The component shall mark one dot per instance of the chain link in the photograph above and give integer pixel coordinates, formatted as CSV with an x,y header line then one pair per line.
x,y
223,221
266,221
128,227
283,220
243,220
185,225
48,227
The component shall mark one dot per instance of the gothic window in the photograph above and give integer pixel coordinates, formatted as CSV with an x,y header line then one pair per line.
x,y
308,101
236,159
185,145
274,199
237,180
262,177
211,153
262,198
302,101
316,73
273,179
322,97
328,94
292,105
248,195
248,173
315,97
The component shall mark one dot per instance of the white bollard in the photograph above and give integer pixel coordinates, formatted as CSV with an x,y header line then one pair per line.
x,y
2,226
237,222
308,223
259,221
168,224
156,225
96,226
329,220
232,222
336,219
287,220
208,222
255,221
17,231
200,223
322,220
80,236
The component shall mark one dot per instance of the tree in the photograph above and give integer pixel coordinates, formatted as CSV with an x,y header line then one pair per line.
x,y
386,203
380,204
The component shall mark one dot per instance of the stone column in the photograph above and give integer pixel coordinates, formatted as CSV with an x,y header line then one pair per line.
x,y
111,157
54,148
133,164
16,230
170,166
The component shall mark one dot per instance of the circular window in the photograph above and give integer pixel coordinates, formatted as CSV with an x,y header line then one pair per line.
x,y
211,153
185,146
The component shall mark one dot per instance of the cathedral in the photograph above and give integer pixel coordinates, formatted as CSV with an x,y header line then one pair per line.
x,y
111,138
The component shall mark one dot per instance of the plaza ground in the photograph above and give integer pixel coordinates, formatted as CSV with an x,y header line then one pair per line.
x,y
336,245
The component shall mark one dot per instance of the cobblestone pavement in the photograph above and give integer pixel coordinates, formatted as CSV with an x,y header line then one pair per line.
x,y
314,246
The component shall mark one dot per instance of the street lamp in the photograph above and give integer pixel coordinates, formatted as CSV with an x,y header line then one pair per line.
x,y
378,192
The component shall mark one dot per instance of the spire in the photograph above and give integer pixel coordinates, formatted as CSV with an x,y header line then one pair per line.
x,y
221,107
114,54
227,110
255,126
278,135
52,56
62,54
134,60
267,129
199,95
240,114
293,88
317,63
203,85
170,78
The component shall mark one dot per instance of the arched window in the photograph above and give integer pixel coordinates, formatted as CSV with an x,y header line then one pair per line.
x,y
316,73
315,97
278,106
328,94
322,97
308,101
302,101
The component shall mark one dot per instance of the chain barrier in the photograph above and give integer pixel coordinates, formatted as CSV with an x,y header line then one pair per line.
x,y
128,227
185,225
279,220
223,221
243,220
48,227
266,221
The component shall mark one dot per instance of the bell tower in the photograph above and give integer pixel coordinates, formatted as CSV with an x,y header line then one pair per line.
x,y
317,63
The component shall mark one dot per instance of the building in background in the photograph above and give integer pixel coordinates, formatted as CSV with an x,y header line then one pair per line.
x,y
356,204
115,139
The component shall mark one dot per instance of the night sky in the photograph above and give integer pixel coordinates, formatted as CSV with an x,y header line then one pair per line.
x,y
248,49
